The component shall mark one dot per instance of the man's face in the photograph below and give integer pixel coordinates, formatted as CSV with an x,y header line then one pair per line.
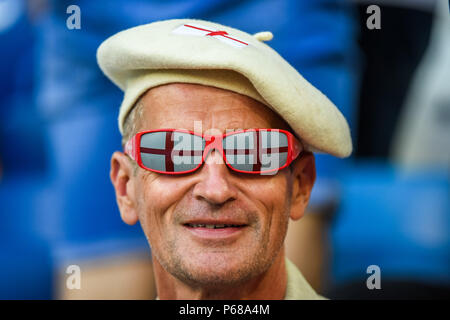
x,y
168,207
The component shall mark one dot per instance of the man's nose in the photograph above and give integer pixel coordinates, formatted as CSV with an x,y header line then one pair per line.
x,y
214,185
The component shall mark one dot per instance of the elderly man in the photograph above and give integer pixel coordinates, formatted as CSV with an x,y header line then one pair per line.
x,y
218,133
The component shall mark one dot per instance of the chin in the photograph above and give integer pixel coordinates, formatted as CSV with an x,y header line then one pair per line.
x,y
218,279
218,271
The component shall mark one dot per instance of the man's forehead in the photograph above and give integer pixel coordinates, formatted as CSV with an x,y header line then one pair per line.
x,y
183,105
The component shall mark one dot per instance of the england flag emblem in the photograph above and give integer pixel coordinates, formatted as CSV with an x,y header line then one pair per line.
x,y
198,30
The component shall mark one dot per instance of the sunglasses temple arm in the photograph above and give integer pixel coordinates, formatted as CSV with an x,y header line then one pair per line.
x,y
130,148
297,148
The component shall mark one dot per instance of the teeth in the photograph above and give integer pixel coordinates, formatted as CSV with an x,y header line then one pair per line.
x,y
212,226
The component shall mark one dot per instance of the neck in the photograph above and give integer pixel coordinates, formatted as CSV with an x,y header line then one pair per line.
x,y
271,285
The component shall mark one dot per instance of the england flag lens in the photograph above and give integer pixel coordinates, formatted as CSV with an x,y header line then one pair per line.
x,y
256,151
171,151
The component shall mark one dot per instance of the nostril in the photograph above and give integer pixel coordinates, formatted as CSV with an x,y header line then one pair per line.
x,y
214,190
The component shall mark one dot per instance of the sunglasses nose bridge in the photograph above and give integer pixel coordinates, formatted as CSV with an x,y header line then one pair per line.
x,y
212,143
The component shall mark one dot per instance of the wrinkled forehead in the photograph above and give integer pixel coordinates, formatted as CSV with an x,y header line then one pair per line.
x,y
204,108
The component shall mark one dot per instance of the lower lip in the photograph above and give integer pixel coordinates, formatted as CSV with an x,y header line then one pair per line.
x,y
208,233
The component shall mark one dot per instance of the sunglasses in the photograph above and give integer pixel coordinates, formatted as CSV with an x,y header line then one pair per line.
x,y
172,151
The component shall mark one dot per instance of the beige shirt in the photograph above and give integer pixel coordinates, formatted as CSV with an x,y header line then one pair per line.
x,y
297,286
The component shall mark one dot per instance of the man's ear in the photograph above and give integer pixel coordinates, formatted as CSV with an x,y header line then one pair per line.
x,y
121,175
303,177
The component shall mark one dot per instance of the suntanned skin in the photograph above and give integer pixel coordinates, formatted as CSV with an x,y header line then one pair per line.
x,y
248,265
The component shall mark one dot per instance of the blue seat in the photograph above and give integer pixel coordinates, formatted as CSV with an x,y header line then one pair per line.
x,y
26,262
395,219
26,269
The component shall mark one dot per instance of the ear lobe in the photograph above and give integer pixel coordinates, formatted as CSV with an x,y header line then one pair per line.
x,y
304,176
121,175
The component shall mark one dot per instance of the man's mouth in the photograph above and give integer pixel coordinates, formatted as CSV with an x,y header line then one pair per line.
x,y
212,226
215,230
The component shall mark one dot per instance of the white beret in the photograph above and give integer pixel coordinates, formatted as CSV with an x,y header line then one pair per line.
x,y
202,52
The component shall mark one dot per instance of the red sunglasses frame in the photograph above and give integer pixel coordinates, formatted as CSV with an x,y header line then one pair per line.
x,y
212,142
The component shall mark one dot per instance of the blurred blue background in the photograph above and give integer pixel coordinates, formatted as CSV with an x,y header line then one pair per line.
x,y
58,129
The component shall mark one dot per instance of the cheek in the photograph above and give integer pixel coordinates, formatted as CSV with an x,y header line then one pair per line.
x,y
272,196
273,193
157,196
